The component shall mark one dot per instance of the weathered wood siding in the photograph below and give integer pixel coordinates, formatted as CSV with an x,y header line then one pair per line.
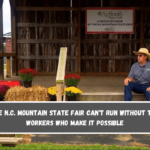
x,y
109,53
42,27
42,30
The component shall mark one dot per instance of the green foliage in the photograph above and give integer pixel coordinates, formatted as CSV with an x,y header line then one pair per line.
x,y
71,94
72,81
27,74
25,77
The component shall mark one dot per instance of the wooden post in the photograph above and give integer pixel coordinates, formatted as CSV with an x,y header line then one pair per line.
x,y
79,37
8,69
61,72
1,42
13,35
141,24
59,89
14,71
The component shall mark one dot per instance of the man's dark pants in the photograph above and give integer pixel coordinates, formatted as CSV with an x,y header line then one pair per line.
x,y
136,87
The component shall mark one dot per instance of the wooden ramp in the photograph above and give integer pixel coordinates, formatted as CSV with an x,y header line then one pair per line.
x,y
9,141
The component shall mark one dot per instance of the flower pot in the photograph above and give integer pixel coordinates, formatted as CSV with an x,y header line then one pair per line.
x,y
71,85
2,98
52,97
27,84
71,98
72,79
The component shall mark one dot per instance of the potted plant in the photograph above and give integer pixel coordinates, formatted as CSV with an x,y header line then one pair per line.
x,y
72,79
52,93
72,92
3,90
27,75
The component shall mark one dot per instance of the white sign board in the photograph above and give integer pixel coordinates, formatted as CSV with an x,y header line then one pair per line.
x,y
109,20
61,65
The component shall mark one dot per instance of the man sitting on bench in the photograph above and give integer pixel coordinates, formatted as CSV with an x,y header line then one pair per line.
x,y
138,79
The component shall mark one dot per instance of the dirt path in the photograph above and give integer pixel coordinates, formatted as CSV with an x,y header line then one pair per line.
x,y
103,139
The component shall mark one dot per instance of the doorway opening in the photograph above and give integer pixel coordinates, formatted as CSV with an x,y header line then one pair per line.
x,y
7,45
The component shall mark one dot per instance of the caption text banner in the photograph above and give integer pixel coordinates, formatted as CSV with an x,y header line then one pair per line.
x,y
74,117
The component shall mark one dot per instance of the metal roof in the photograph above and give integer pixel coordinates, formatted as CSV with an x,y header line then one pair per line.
x,y
7,34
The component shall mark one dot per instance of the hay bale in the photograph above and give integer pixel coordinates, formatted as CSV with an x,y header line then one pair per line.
x,y
35,93
16,93
38,93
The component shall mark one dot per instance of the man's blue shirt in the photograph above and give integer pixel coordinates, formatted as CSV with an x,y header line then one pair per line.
x,y
141,74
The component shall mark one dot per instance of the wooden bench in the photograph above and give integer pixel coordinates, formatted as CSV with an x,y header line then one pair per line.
x,y
9,141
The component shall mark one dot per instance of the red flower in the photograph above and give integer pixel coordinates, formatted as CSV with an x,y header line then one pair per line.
x,y
28,71
70,76
27,74
3,89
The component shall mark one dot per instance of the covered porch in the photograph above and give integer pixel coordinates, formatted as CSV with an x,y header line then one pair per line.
x,y
95,88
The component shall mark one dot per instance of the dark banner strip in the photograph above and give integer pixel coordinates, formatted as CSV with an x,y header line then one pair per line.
x,y
74,117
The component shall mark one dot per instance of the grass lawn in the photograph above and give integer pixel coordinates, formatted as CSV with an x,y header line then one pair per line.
x,y
4,66
49,146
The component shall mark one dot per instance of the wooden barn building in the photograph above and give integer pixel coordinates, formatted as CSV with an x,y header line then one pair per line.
x,y
41,27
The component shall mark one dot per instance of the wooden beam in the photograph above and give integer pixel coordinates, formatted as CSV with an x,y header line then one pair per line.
x,y
7,54
60,77
52,73
1,42
46,57
14,60
60,25
79,37
141,24
59,91
33,41
108,57
1,69
136,8
104,74
86,73
61,8
110,41
13,25
46,8
144,8
14,38
8,69
46,73
46,25
12,6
